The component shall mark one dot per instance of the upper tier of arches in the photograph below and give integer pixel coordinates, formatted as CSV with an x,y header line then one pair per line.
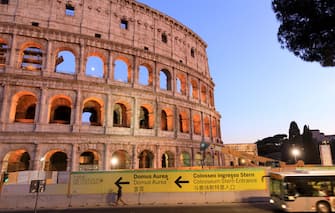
x,y
125,22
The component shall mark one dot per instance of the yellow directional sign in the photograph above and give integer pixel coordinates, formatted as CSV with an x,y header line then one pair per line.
x,y
217,180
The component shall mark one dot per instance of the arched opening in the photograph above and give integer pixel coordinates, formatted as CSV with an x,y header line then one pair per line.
x,y
56,162
168,160
92,113
32,58
165,79
167,121
18,160
214,132
120,160
183,122
164,120
120,117
65,62
145,75
211,98
3,53
60,111
95,67
181,83
203,94
194,89
146,159
88,160
185,159
25,109
121,72
144,118
209,161
198,159
206,127
196,124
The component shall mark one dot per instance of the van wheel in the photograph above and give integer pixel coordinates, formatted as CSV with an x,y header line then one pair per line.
x,y
323,207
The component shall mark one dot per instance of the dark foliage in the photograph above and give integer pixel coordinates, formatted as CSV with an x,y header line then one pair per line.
x,y
307,28
269,146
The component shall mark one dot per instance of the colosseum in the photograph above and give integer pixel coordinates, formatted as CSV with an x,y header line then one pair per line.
x,y
102,85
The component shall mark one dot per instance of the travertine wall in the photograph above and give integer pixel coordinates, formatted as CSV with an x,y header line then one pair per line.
x,y
148,125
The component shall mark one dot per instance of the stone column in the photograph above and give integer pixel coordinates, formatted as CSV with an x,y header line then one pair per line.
x,y
81,61
134,159
13,53
77,112
48,59
107,166
111,66
42,110
74,162
109,112
5,106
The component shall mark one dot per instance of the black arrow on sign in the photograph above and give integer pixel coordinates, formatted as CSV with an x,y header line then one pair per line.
x,y
119,182
178,181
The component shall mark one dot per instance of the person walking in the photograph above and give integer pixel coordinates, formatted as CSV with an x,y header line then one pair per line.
x,y
119,197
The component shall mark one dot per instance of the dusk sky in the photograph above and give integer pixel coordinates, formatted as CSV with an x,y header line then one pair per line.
x,y
259,87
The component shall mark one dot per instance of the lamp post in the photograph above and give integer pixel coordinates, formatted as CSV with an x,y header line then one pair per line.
x,y
203,147
39,183
295,153
114,162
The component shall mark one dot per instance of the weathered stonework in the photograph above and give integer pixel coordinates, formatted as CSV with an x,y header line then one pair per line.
x,y
159,123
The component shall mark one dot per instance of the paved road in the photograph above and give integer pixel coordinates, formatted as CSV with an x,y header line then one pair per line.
x,y
219,208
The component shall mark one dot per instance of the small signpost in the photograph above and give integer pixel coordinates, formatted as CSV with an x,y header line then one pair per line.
x,y
37,186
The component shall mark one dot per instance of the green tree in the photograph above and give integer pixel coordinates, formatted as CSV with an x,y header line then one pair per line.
x,y
307,28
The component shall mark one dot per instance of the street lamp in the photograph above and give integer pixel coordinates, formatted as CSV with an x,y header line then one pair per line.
x,y
114,162
295,153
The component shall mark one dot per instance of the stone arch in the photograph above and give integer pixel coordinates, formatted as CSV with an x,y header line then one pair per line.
x,y
31,56
65,61
208,160
181,87
168,160
93,112
89,160
60,109
214,128
146,159
198,159
211,98
196,123
194,89
206,126
55,160
122,69
145,75
203,94
3,52
120,160
146,119
23,107
167,120
122,114
95,66
165,79
16,160
184,122
185,159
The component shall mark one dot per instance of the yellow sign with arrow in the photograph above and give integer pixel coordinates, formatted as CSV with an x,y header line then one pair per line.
x,y
216,180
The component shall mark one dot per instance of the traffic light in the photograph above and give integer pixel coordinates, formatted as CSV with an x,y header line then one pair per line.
x,y
5,177
203,145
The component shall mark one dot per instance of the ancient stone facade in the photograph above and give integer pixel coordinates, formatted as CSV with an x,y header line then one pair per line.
x,y
102,84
